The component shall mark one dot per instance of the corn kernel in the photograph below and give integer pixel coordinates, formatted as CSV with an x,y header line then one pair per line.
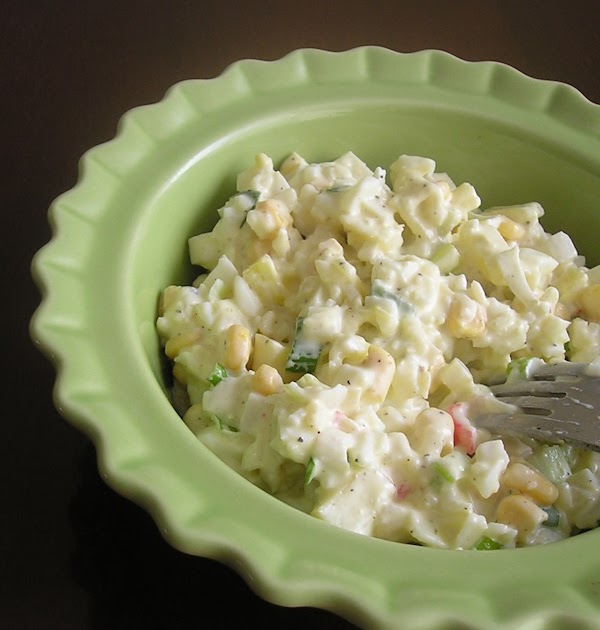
x,y
238,347
511,230
521,477
266,380
520,512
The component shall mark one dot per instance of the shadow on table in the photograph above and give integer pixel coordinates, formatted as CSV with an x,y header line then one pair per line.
x,y
134,579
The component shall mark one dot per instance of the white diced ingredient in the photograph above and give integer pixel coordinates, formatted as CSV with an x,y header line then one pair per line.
x,y
373,306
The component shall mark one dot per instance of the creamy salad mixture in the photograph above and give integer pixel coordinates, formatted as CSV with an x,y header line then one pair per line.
x,y
335,351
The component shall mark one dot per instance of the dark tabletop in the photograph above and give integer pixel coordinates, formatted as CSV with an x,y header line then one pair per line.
x,y
76,555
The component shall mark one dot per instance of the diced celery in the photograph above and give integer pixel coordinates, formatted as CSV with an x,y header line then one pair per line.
x,y
217,375
265,280
446,257
295,393
486,543
571,454
552,462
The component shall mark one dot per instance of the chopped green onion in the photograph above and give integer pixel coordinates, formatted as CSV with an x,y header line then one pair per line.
x,y
221,423
310,471
487,544
553,517
254,196
443,472
378,289
304,355
302,364
520,366
552,462
215,418
217,375
338,188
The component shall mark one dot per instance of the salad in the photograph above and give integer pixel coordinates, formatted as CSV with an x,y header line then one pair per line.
x,y
337,346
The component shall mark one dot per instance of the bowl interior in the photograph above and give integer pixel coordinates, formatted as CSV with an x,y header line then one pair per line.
x,y
488,147
121,238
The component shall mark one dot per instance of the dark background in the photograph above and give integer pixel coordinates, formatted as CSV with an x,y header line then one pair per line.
x,y
74,554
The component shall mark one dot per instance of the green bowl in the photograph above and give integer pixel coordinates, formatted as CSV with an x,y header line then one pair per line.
x,y
119,237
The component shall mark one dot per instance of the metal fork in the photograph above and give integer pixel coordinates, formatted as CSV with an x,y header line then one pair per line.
x,y
555,403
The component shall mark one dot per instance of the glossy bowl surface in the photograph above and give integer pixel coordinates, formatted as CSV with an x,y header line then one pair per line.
x,y
119,237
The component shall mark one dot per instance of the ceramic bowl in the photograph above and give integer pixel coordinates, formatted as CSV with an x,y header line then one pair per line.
x,y
119,237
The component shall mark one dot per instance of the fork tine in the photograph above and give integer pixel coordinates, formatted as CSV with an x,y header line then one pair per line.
x,y
563,368
553,430
533,388
529,403
556,403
